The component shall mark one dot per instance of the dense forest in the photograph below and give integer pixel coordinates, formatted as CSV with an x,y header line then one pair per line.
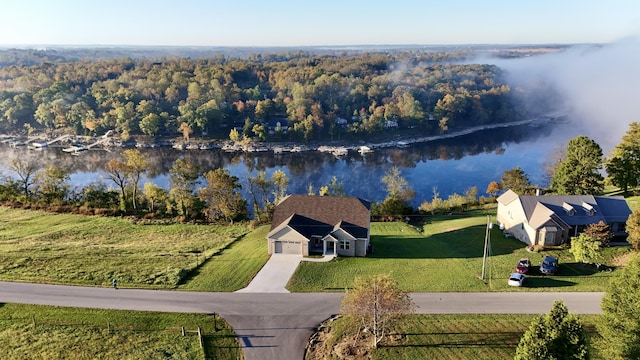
x,y
286,96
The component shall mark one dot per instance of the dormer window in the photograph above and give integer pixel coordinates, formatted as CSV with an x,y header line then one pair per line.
x,y
588,209
568,209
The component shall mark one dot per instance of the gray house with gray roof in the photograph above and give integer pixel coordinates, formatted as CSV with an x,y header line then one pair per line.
x,y
554,219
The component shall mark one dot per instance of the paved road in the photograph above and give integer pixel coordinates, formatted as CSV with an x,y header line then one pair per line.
x,y
278,325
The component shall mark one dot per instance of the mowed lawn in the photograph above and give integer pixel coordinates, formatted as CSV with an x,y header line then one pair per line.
x,y
481,337
446,255
234,267
91,250
48,332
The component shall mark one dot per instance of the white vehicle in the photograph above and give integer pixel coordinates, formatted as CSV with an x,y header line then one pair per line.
x,y
516,279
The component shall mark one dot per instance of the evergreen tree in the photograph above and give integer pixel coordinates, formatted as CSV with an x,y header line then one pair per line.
x,y
620,326
623,167
579,172
556,335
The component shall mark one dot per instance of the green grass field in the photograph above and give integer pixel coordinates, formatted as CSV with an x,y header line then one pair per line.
x,y
234,267
46,332
446,255
91,250
446,337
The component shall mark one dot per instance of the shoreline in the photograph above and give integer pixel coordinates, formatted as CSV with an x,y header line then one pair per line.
x,y
362,146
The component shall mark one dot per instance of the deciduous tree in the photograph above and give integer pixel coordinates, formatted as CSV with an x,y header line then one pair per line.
x,y
137,164
25,170
556,335
600,232
184,177
585,249
221,196
52,184
376,303
633,229
118,172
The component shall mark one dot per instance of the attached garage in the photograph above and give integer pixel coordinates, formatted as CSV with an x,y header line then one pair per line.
x,y
287,247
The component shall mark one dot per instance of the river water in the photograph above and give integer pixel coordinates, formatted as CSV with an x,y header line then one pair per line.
x,y
446,166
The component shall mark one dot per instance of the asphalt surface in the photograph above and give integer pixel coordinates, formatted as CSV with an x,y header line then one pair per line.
x,y
278,325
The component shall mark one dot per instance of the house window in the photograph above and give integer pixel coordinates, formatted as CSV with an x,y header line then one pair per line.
x,y
344,245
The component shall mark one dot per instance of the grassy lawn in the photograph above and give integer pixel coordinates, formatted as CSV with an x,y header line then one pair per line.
x,y
234,267
446,255
91,250
46,332
437,337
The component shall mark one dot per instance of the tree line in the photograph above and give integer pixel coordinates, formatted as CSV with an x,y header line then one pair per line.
x,y
300,96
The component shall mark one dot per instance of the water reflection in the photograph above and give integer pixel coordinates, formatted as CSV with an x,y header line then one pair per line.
x,y
450,165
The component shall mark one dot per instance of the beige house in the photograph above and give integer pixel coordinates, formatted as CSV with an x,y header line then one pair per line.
x,y
554,219
304,224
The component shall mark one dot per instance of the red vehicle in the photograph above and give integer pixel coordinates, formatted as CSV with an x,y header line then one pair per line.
x,y
523,266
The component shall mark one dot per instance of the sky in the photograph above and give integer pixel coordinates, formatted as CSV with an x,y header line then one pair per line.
x,y
315,23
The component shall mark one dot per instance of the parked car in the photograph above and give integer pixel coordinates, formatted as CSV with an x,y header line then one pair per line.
x,y
549,265
516,279
523,266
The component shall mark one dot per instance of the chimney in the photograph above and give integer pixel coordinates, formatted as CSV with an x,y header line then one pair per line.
x,y
538,192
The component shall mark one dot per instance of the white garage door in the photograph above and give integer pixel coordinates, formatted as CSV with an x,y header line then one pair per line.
x,y
287,247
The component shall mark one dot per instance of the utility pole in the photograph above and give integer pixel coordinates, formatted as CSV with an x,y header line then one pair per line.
x,y
487,246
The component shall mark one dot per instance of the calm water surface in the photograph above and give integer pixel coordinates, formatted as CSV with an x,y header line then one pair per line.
x,y
448,166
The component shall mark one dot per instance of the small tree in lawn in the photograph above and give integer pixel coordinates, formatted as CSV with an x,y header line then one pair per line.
x,y
556,335
585,249
600,232
376,303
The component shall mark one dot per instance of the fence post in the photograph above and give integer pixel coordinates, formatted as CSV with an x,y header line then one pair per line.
x,y
215,324
200,337
108,327
33,320
183,331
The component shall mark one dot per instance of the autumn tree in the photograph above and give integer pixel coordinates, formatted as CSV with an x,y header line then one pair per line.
x,y
334,188
600,231
259,188
25,170
52,184
516,180
154,194
623,166
184,177
118,172
280,182
633,229
137,164
376,304
556,335
620,326
579,172
221,196
493,188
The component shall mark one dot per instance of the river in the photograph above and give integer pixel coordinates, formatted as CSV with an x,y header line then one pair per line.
x,y
446,166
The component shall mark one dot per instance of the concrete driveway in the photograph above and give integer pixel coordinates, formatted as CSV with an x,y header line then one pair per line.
x,y
274,275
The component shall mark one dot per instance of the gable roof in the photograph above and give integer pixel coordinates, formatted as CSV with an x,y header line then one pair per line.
x,y
314,215
570,209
